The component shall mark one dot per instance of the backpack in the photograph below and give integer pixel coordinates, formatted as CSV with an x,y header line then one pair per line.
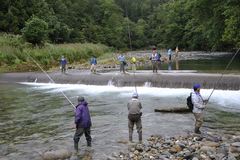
x,y
189,102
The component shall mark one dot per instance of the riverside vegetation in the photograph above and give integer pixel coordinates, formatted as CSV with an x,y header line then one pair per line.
x,y
14,53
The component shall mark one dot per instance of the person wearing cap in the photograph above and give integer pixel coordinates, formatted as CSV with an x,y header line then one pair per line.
x,y
169,52
63,63
154,59
83,123
134,116
122,61
198,107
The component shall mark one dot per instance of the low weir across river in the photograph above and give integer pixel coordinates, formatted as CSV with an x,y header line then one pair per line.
x,y
163,79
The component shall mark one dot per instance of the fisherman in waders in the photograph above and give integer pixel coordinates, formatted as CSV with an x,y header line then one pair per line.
x,y
63,63
134,116
169,54
93,63
83,123
133,61
154,60
122,61
198,107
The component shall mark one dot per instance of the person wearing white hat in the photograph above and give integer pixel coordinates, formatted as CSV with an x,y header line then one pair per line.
x,y
134,116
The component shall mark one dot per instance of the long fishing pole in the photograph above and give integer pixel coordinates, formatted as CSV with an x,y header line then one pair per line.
x,y
51,79
229,63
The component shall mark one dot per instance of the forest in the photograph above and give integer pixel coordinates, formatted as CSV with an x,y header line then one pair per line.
x,y
209,25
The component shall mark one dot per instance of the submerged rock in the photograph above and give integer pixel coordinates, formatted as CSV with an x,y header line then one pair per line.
x,y
56,155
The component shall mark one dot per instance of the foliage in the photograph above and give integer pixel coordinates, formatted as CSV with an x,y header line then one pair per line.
x,y
35,30
190,24
14,54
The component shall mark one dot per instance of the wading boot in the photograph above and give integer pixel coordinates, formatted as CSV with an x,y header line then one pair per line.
x,y
89,144
130,137
140,137
197,131
76,148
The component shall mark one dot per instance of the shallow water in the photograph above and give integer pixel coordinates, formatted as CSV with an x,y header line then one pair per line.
x,y
36,117
202,62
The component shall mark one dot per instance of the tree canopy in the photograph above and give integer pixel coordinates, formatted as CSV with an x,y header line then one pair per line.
x,y
189,24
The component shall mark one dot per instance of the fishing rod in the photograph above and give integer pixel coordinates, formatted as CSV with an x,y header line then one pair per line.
x,y
229,63
50,79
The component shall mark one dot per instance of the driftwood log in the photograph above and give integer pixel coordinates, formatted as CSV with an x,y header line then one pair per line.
x,y
173,110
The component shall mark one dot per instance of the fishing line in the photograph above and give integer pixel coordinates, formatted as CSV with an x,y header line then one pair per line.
x,y
50,79
229,63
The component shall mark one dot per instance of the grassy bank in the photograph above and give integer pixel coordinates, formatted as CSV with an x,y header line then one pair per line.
x,y
14,54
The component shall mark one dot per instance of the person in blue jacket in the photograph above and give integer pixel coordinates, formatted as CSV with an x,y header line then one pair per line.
x,y
63,63
93,63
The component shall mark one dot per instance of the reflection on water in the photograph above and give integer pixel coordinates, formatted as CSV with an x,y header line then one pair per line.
x,y
204,63
35,117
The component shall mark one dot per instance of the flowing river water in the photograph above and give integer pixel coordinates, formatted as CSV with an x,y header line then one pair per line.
x,y
35,117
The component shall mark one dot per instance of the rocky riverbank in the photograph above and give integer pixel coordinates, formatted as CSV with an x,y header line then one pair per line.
x,y
191,147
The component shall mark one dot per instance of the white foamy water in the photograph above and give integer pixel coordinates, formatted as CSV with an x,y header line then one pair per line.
x,y
222,98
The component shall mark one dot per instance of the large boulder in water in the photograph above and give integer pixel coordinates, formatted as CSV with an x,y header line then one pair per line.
x,y
57,154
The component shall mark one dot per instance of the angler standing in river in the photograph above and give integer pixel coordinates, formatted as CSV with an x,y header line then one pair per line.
x,y
154,60
83,123
93,63
198,107
134,116
122,61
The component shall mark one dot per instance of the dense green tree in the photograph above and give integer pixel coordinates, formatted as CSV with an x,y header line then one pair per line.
x,y
35,31
231,34
190,24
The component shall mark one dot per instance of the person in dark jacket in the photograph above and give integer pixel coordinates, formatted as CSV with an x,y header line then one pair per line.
x,y
83,123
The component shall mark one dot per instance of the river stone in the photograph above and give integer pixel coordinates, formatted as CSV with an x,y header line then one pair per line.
x,y
231,157
236,144
131,155
197,138
206,149
153,151
210,144
136,152
175,149
195,158
139,147
132,149
114,155
220,156
236,138
205,157
233,149
57,154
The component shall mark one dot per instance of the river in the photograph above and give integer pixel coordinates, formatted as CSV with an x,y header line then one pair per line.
x,y
35,117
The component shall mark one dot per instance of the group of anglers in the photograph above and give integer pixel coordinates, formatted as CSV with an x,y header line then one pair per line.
x,y
155,59
93,63
134,106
